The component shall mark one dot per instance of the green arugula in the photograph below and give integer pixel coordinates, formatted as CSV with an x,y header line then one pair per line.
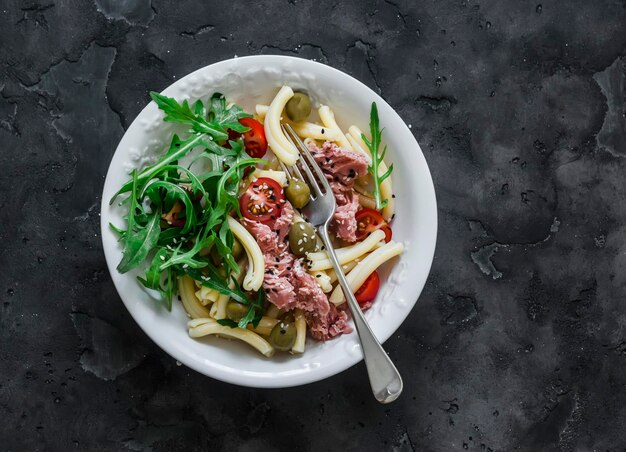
x,y
138,240
255,312
377,158
203,202
215,122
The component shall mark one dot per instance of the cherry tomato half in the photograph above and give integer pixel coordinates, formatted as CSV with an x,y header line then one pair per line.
x,y
368,290
254,139
368,220
262,200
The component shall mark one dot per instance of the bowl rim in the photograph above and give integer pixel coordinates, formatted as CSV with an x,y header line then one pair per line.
x,y
241,379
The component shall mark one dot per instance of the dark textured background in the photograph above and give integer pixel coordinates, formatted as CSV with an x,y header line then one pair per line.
x,y
519,338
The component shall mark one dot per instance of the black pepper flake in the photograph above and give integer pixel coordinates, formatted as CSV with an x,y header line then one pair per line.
x,y
336,179
393,216
327,159
322,131
288,268
393,196
277,259
273,217
179,299
323,247
318,276
351,173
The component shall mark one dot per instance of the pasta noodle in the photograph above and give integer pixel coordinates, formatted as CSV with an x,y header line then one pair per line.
x,y
320,260
265,326
261,110
323,280
357,148
346,268
256,262
386,189
207,295
205,326
315,131
366,267
328,119
278,142
188,297
367,202
298,345
278,176
218,310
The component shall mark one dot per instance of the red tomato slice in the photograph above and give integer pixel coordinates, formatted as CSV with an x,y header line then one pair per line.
x,y
368,290
254,139
368,220
262,200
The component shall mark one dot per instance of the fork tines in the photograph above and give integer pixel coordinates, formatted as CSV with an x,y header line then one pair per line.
x,y
319,184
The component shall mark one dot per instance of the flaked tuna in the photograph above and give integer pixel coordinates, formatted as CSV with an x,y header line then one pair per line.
x,y
341,168
287,283
326,327
339,165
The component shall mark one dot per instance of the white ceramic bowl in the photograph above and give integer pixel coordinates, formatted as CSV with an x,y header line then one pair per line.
x,y
248,81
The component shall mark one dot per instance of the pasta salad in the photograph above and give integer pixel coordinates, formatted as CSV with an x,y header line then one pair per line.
x,y
216,222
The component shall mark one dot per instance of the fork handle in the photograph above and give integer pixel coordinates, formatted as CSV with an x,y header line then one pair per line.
x,y
384,378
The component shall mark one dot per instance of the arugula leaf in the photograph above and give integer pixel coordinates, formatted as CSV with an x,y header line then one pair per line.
x,y
215,281
118,231
182,114
227,322
177,150
206,199
176,192
188,258
255,312
170,288
153,273
139,243
374,146
138,240
228,117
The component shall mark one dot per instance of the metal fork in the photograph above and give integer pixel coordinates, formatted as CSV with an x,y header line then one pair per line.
x,y
384,377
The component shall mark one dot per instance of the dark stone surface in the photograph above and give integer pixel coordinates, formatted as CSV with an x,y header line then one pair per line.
x,y
519,339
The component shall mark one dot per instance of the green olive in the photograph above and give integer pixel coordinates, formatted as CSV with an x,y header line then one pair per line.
x,y
299,107
302,238
235,311
298,193
283,336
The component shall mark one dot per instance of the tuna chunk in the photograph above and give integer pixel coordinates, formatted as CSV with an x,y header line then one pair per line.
x,y
344,221
271,239
339,165
326,327
277,280
287,283
309,294
341,168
